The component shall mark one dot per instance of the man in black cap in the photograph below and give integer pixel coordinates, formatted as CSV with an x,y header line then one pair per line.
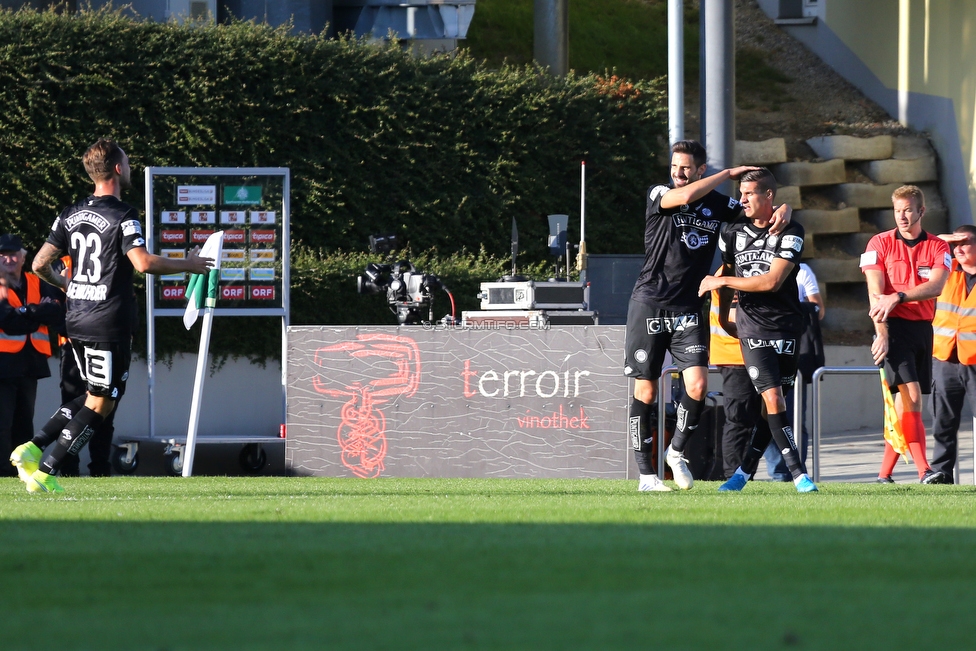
x,y
27,308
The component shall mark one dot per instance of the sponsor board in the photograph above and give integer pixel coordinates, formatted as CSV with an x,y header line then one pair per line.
x,y
172,217
232,293
261,274
172,292
173,254
232,217
263,255
193,195
203,217
262,293
171,236
263,216
234,236
231,274
457,402
263,236
233,255
242,194
200,235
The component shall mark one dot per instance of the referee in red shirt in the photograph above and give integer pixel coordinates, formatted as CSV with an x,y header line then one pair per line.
x,y
905,269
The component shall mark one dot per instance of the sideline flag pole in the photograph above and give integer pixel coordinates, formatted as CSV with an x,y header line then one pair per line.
x,y
581,256
892,431
201,292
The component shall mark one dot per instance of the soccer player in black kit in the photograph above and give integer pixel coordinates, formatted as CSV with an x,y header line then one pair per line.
x,y
682,221
104,238
768,319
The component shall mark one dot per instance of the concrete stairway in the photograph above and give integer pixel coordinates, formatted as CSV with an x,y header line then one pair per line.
x,y
842,196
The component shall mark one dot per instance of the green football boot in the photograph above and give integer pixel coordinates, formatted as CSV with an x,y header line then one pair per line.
x,y
25,458
41,482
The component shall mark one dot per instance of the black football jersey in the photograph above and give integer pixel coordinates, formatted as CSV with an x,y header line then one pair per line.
x,y
679,246
97,233
765,315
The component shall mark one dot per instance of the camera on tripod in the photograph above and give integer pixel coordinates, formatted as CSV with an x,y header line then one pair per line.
x,y
409,292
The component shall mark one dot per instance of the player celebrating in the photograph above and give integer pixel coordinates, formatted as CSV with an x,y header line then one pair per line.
x,y
769,320
104,238
906,269
665,312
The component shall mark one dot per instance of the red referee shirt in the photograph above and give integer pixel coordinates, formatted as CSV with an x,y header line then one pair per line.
x,y
906,266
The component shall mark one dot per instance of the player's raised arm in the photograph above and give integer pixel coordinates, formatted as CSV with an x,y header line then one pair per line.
x,y
695,191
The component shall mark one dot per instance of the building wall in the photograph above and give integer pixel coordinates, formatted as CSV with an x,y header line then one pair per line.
x,y
917,59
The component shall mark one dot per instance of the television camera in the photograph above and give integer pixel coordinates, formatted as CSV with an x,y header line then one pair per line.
x,y
409,292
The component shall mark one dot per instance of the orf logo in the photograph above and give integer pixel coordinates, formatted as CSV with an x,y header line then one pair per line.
x,y
232,292
259,293
174,292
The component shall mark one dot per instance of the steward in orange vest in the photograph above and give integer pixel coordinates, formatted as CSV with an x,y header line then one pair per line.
x,y
739,398
954,350
28,307
723,348
954,325
39,339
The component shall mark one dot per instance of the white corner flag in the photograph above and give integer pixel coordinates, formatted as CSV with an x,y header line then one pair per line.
x,y
202,289
201,294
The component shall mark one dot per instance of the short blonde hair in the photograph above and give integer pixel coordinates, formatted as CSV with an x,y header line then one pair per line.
x,y
909,192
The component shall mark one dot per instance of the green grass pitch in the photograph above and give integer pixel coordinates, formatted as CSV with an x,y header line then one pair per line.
x,y
311,563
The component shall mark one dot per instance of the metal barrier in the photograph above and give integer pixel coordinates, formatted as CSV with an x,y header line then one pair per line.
x,y
815,397
857,370
798,397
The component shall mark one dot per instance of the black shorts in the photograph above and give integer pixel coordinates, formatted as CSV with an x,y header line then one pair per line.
x,y
909,354
652,332
771,363
104,366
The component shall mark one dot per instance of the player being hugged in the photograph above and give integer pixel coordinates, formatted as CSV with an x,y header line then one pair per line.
x,y
104,238
768,320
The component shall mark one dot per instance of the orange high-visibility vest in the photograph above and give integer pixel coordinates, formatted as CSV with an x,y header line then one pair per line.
x,y
954,325
39,339
66,260
723,348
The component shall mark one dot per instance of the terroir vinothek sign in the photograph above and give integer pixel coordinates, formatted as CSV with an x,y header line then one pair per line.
x,y
457,402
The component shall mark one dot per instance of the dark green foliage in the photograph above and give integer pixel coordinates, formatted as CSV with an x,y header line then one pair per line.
x,y
444,152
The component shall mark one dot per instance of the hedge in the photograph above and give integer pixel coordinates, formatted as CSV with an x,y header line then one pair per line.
x,y
441,151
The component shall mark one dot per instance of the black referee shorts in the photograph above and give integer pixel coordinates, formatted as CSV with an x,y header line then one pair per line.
x,y
652,332
909,354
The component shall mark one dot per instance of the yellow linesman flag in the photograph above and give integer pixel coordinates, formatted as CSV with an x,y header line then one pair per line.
x,y
892,428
